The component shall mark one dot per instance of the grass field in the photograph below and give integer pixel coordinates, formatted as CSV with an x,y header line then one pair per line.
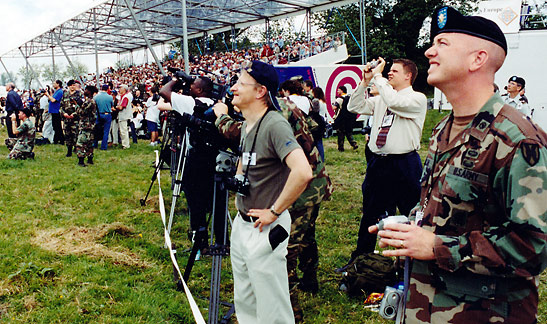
x,y
77,247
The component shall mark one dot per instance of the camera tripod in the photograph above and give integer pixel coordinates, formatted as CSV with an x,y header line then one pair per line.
x,y
218,246
168,136
218,242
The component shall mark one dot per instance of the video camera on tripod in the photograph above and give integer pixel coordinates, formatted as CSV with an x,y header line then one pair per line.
x,y
219,91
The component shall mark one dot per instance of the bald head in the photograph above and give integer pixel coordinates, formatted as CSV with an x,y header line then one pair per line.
x,y
494,54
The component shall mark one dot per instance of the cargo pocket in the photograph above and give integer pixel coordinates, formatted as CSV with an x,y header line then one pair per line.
x,y
277,235
460,198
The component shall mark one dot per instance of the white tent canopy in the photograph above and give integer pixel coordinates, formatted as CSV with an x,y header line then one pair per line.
x,y
161,20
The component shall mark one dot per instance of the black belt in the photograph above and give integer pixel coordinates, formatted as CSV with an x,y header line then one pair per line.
x,y
248,219
390,155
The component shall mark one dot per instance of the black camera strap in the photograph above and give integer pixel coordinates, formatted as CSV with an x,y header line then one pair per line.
x,y
246,174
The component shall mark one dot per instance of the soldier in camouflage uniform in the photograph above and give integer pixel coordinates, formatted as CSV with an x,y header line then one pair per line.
x,y
22,146
87,115
481,246
305,210
72,100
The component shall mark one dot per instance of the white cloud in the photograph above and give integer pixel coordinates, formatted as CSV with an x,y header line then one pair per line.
x,y
24,19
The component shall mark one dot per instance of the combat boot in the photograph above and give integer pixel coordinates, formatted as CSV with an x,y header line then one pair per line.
x,y
68,151
89,160
81,162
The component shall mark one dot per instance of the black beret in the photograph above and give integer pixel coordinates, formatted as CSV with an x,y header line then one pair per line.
x,y
518,80
449,20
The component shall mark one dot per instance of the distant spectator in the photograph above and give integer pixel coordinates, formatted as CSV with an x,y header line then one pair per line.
x,y
307,85
319,95
344,119
293,90
318,131
54,110
513,97
21,147
153,115
125,112
13,105
47,129
104,106
87,116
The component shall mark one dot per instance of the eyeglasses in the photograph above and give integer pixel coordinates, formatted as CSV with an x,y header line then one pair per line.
x,y
239,83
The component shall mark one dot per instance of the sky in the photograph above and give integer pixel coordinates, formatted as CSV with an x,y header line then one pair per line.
x,y
25,19
22,20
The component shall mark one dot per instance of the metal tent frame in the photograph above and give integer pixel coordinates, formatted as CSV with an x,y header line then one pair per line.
x,y
124,26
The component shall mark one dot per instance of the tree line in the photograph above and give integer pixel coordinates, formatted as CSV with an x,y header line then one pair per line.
x,y
24,78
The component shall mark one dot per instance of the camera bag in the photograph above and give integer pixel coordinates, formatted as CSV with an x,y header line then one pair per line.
x,y
369,273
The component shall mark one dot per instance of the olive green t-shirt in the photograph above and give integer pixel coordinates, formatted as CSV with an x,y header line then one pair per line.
x,y
267,169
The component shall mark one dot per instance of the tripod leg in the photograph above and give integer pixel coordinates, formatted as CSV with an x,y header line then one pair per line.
x,y
155,175
201,236
214,295
178,183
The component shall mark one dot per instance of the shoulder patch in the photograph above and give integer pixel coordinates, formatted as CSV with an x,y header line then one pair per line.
x,y
530,153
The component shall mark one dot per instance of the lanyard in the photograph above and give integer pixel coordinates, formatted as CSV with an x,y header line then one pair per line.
x,y
254,143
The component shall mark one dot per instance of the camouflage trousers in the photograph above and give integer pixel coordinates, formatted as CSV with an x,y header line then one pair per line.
x,y
70,129
302,247
14,153
84,144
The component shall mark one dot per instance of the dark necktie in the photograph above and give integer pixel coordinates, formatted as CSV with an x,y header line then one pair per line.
x,y
382,135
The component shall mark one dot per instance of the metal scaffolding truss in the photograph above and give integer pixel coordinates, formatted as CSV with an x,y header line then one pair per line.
x,y
161,20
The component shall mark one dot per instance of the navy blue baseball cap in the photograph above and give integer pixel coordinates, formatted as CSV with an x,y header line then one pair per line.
x,y
449,20
266,75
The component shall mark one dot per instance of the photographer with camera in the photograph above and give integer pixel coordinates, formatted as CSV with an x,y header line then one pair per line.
x,y
478,245
22,146
199,169
393,164
302,252
278,172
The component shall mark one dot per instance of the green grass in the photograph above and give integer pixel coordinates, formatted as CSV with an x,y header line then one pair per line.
x,y
125,274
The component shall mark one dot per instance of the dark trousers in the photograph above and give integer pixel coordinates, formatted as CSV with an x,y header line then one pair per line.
x,y
391,182
133,131
58,138
9,123
345,132
102,129
198,186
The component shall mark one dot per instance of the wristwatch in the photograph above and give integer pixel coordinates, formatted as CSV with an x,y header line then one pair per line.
x,y
272,210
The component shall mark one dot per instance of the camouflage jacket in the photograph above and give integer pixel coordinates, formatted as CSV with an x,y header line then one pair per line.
x,y
320,188
25,138
484,196
87,114
70,103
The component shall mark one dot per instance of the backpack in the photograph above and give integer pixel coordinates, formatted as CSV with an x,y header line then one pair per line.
x,y
369,273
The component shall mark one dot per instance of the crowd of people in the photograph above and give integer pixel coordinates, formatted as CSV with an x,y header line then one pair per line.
x,y
476,243
139,85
